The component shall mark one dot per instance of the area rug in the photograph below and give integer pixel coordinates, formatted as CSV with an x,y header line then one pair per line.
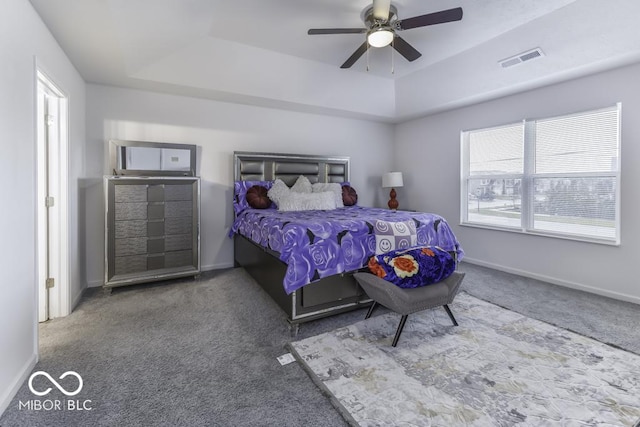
x,y
498,368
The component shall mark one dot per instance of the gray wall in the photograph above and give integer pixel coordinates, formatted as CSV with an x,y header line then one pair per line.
x,y
24,39
218,129
428,152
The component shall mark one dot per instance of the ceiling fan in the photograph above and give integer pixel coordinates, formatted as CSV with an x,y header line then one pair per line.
x,y
382,24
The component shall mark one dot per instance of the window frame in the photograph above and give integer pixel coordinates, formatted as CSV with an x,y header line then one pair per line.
x,y
528,177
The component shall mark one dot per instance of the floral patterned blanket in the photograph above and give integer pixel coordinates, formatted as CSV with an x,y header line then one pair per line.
x,y
317,244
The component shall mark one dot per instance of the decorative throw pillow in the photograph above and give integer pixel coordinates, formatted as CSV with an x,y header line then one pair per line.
x,y
414,267
302,185
240,189
334,187
278,191
394,235
307,201
349,195
257,197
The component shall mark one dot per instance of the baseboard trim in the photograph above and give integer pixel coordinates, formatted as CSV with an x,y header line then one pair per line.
x,y
94,283
220,266
216,266
76,300
8,396
555,281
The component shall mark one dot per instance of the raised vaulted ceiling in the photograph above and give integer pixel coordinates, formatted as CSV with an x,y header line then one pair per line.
x,y
258,52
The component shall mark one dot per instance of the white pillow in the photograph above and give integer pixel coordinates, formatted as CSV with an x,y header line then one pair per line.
x,y
302,185
278,191
333,187
307,201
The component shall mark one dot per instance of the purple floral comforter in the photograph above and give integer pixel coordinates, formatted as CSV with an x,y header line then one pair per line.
x,y
317,244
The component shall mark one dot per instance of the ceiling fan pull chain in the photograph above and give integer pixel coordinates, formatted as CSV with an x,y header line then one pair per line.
x,y
368,55
392,48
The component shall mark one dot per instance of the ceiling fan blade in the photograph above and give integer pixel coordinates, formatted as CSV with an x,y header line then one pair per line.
x,y
381,9
405,49
355,56
441,17
315,31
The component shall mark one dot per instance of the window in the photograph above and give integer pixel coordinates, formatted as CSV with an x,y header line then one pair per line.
x,y
558,176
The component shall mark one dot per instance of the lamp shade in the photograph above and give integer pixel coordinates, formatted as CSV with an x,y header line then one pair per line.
x,y
392,179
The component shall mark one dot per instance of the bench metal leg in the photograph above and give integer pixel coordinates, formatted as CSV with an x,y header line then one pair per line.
x,y
370,312
399,331
453,319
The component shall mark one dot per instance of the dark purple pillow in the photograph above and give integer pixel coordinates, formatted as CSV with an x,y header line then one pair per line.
x,y
257,197
349,195
413,267
240,189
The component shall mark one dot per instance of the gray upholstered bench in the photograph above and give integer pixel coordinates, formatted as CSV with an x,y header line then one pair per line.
x,y
408,301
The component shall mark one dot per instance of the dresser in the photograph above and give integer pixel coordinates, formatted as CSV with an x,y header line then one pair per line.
x,y
152,213
151,228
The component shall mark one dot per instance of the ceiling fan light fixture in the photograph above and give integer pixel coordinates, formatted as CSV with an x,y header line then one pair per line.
x,y
380,37
382,26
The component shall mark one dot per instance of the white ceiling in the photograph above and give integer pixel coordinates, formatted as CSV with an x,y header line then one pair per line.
x,y
258,52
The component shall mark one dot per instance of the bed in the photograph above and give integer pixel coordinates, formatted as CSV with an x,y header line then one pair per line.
x,y
306,260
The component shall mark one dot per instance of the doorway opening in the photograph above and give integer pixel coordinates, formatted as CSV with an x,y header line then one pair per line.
x,y
52,195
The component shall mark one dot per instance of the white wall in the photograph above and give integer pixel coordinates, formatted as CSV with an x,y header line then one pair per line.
x,y
23,40
219,129
428,151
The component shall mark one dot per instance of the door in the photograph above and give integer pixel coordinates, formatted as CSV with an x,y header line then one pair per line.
x,y
51,181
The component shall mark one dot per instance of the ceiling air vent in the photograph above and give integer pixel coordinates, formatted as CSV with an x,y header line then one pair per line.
x,y
522,57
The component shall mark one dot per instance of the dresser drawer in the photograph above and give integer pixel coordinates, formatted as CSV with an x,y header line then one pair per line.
x,y
131,246
173,192
178,209
156,245
130,264
130,193
178,259
178,242
155,228
178,225
128,211
155,211
126,229
155,193
155,262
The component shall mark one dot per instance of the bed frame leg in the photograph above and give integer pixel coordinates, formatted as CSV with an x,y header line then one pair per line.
x,y
294,328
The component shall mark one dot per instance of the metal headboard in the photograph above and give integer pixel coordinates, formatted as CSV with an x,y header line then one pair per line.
x,y
250,166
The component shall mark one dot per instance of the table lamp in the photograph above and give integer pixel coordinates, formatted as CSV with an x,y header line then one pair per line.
x,y
392,180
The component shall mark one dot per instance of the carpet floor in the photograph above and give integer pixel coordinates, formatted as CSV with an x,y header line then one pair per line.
x,y
203,352
189,353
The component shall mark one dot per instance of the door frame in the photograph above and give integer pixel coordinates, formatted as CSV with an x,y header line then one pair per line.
x,y
59,303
